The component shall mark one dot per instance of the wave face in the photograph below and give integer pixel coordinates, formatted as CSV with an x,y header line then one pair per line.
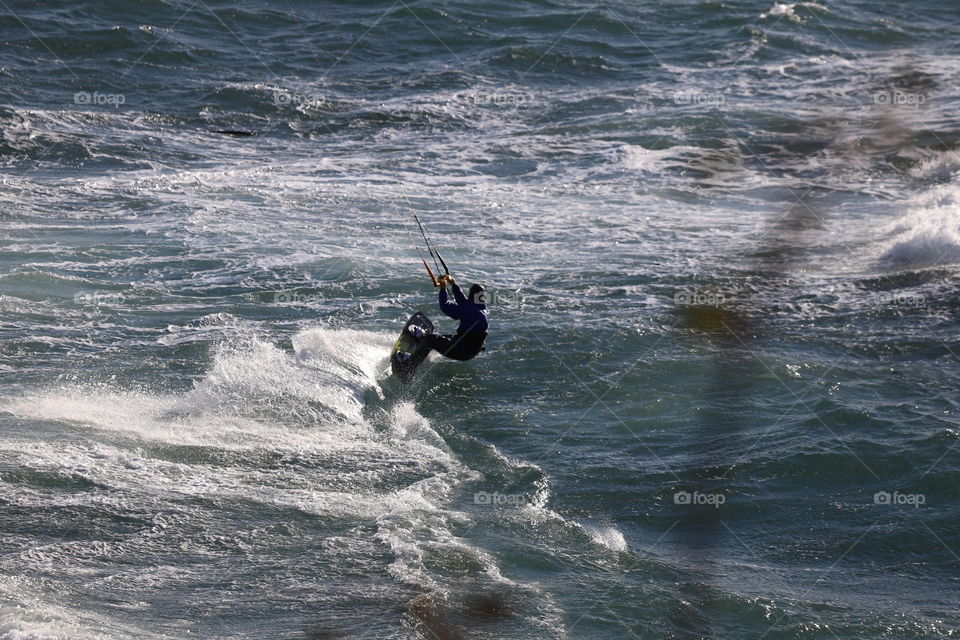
x,y
720,242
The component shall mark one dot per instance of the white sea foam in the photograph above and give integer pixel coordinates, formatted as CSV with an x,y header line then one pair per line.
x,y
929,234
788,10
606,535
307,406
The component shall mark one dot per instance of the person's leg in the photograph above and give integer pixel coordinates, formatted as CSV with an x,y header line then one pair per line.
x,y
440,343
454,346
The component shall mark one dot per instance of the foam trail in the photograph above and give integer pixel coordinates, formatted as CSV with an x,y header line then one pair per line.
x,y
929,235
139,453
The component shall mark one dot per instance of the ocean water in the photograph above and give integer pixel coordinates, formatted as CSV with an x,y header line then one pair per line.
x,y
719,400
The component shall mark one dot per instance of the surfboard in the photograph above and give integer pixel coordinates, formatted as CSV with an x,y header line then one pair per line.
x,y
408,343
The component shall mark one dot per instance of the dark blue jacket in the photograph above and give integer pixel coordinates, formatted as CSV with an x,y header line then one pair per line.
x,y
472,317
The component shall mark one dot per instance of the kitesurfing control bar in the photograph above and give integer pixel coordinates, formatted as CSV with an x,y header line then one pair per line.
x,y
431,248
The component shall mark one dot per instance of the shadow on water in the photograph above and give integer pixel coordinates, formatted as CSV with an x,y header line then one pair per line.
x,y
452,620
733,331
438,617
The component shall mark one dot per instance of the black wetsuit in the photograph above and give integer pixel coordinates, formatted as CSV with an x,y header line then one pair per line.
x,y
467,342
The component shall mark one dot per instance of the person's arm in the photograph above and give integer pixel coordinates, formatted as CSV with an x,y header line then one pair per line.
x,y
448,307
458,295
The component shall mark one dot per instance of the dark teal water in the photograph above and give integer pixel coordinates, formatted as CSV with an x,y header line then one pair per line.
x,y
719,398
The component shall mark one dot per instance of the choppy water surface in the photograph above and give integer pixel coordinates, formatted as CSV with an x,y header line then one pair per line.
x,y
719,397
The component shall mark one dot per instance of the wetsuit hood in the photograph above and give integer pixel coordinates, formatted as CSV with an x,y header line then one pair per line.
x,y
477,294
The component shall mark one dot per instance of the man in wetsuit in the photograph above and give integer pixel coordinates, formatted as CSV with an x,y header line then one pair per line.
x,y
471,311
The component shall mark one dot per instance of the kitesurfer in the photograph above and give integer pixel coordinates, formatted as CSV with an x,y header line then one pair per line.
x,y
470,310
